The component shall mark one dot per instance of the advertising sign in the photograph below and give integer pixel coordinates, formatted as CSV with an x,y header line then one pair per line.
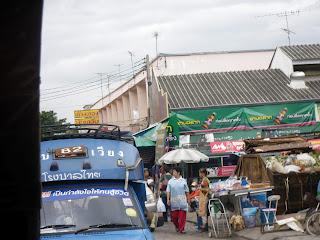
x,y
226,171
86,116
244,118
227,146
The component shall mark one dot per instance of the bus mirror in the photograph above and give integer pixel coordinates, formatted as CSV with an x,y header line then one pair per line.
x,y
128,168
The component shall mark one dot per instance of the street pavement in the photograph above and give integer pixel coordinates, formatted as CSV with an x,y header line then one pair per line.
x,y
167,232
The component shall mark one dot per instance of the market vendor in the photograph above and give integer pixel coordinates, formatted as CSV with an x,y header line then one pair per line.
x,y
203,198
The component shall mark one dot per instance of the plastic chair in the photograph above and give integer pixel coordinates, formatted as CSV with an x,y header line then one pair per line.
x,y
271,211
219,219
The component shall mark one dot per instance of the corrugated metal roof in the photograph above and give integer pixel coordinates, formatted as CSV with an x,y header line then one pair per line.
x,y
302,52
233,88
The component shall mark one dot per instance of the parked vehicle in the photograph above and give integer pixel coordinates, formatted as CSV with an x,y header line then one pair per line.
x,y
92,181
312,221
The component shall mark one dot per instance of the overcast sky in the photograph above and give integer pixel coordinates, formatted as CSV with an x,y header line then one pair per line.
x,y
83,38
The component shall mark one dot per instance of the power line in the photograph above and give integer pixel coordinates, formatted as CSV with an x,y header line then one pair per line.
x,y
75,92
111,73
95,86
94,83
49,89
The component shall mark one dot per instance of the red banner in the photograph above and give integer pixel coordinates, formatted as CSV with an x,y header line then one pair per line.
x,y
227,146
226,171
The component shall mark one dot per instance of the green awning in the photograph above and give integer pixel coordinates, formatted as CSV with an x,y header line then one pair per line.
x,y
148,136
144,142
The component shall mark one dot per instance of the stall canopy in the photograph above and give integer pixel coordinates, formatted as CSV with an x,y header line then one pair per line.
x,y
275,144
148,136
187,155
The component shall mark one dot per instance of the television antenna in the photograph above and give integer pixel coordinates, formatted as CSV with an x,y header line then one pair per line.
x,y
284,14
156,35
131,57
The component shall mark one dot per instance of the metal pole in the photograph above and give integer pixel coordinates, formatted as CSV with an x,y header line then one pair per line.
x,y
149,83
131,63
156,34
102,104
288,31
108,86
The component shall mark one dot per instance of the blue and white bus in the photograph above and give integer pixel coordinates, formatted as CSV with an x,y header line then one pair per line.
x,y
92,184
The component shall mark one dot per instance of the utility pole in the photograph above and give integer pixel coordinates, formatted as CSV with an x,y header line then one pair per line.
x,y
156,34
108,86
149,85
284,14
131,54
102,105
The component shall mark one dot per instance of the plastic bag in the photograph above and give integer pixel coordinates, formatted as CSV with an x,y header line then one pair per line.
x,y
160,206
292,168
277,167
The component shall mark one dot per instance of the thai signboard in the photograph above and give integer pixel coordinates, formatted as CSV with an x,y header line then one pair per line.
x,y
242,118
86,116
234,119
227,146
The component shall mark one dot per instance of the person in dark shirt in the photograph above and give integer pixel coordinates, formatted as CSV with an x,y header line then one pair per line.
x,y
164,179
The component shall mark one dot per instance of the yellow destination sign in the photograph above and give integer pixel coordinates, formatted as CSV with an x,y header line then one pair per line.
x,y
86,116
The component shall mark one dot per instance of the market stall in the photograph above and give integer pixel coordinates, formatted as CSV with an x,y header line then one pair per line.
x,y
277,175
246,192
293,167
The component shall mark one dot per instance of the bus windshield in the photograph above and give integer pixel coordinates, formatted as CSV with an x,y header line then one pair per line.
x,y
72,209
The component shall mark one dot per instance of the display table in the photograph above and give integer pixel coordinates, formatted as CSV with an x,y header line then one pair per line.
x,y
234,196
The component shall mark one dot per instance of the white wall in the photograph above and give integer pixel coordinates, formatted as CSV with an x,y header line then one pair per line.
x,y
136,89
282,61
215,62
197,63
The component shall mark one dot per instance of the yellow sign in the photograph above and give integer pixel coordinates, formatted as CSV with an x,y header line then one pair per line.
x,y
131,212
86,116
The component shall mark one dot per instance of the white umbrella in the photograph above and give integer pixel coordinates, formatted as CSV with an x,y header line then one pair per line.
x,y
187,155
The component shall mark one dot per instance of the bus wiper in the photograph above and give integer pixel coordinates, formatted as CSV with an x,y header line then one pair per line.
x,y
58,226
108,225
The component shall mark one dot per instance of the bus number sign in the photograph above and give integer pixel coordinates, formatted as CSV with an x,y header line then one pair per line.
x,y
71,152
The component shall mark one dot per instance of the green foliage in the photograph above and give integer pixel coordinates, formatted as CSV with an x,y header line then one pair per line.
x,y
50,118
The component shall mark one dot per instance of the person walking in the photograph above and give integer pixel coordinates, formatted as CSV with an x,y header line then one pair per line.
x,y
203,198
164,179
178,199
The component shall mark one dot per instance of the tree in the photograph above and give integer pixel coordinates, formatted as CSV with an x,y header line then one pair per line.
x,y
50,118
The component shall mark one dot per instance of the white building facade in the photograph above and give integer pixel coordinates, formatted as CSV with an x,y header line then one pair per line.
x,y
128,105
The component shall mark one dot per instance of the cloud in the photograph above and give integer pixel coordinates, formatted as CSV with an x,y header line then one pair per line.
x,y
82,38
